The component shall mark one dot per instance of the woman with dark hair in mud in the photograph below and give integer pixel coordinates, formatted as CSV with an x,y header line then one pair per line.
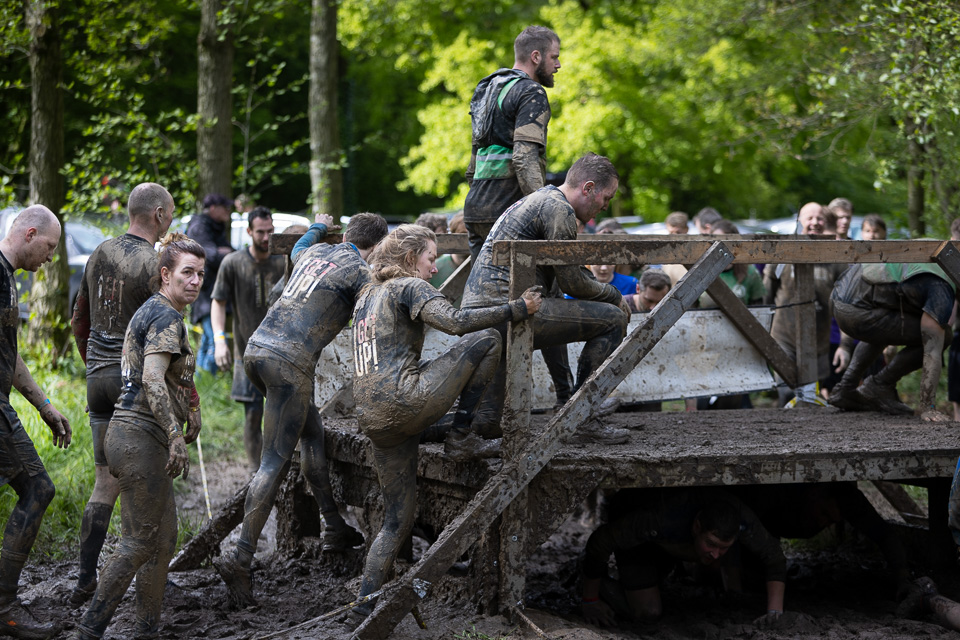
x,y
146,446
397,395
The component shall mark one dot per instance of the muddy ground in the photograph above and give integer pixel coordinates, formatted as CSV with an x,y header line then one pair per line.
x,y
837,589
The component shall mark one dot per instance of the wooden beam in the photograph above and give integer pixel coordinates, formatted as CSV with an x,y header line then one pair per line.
x,y
751,329
516,436
282,243
806,323
516,474
452,243
628,250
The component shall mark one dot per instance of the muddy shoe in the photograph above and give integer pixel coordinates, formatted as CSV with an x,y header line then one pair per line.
x,y
464,447
595,432
608,406
337,540
16,621
883,398
81,594
237,578
848,399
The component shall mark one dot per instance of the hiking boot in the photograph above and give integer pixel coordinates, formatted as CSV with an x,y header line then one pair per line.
x,y
883,398
16,621
81,594
848,399
237,578
464,447
595,432
337,540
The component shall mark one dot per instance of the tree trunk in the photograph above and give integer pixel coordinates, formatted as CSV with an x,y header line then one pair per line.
x,y
915,193
51,285
326,177
214,100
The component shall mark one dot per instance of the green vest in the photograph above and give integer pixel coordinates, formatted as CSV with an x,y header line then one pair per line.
x,y
889,272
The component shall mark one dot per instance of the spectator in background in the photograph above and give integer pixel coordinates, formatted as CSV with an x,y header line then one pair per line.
x,y
654,285
449,262
244,203
436,222
874,228
678,223
842,210
705,218
244,282
211,230
780,285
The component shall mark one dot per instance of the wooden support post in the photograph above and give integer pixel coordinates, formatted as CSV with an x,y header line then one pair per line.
x,y
948,257
453,286
516,436
499,492
806,324
754,332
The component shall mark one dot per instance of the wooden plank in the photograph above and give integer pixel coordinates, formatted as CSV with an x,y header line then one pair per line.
x,y
806,323
629,250
452,243
751,329
207,541
453,286
516,435
282,243
897,496
500,491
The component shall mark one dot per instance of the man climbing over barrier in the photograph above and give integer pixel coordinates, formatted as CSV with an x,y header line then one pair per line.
x,y
599,314
893,304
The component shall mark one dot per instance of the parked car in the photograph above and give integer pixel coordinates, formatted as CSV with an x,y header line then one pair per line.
x,y
81,237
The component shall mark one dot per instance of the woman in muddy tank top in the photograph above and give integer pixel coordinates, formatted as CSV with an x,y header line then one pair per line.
x,y
146,446
398,396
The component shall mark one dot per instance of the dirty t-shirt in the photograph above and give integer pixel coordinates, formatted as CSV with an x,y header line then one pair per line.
x,y
523,116
156,328
315,305
388,330
10,317
116,282
246,284
545,214
931,293
669,526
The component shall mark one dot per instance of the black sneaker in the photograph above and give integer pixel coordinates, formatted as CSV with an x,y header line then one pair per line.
x,y
848,399
16,621
336,540
464,447
883,398
237,578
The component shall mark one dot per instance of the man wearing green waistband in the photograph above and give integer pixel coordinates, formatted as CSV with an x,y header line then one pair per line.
x,y
510,113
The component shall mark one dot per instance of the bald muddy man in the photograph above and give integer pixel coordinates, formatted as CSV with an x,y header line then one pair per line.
x,y
781,287
116,282
31,242
280,360
599,314
893,304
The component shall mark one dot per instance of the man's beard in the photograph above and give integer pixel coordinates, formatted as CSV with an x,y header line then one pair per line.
x,y
544,77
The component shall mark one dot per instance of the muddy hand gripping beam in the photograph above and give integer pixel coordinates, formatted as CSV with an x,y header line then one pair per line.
x,y
400,596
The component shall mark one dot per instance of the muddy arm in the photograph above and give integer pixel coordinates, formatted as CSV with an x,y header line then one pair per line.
x,y
440,314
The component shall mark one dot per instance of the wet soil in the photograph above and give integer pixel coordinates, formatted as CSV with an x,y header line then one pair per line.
x,y
837,589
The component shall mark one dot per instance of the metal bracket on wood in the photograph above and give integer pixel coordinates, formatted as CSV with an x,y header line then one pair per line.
x,y
515,475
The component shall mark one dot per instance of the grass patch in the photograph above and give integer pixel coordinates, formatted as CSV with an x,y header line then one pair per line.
x,y
72,469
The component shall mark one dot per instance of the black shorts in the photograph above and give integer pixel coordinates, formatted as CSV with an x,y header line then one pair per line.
x,y
103,390
643,566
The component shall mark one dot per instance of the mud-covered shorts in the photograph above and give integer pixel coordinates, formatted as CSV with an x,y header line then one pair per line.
x,y
103,390
17,452
242,389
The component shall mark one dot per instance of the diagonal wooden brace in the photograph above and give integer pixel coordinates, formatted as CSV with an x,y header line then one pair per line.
x,y
494,497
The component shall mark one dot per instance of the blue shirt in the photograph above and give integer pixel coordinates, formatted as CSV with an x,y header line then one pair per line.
x,y
626,285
